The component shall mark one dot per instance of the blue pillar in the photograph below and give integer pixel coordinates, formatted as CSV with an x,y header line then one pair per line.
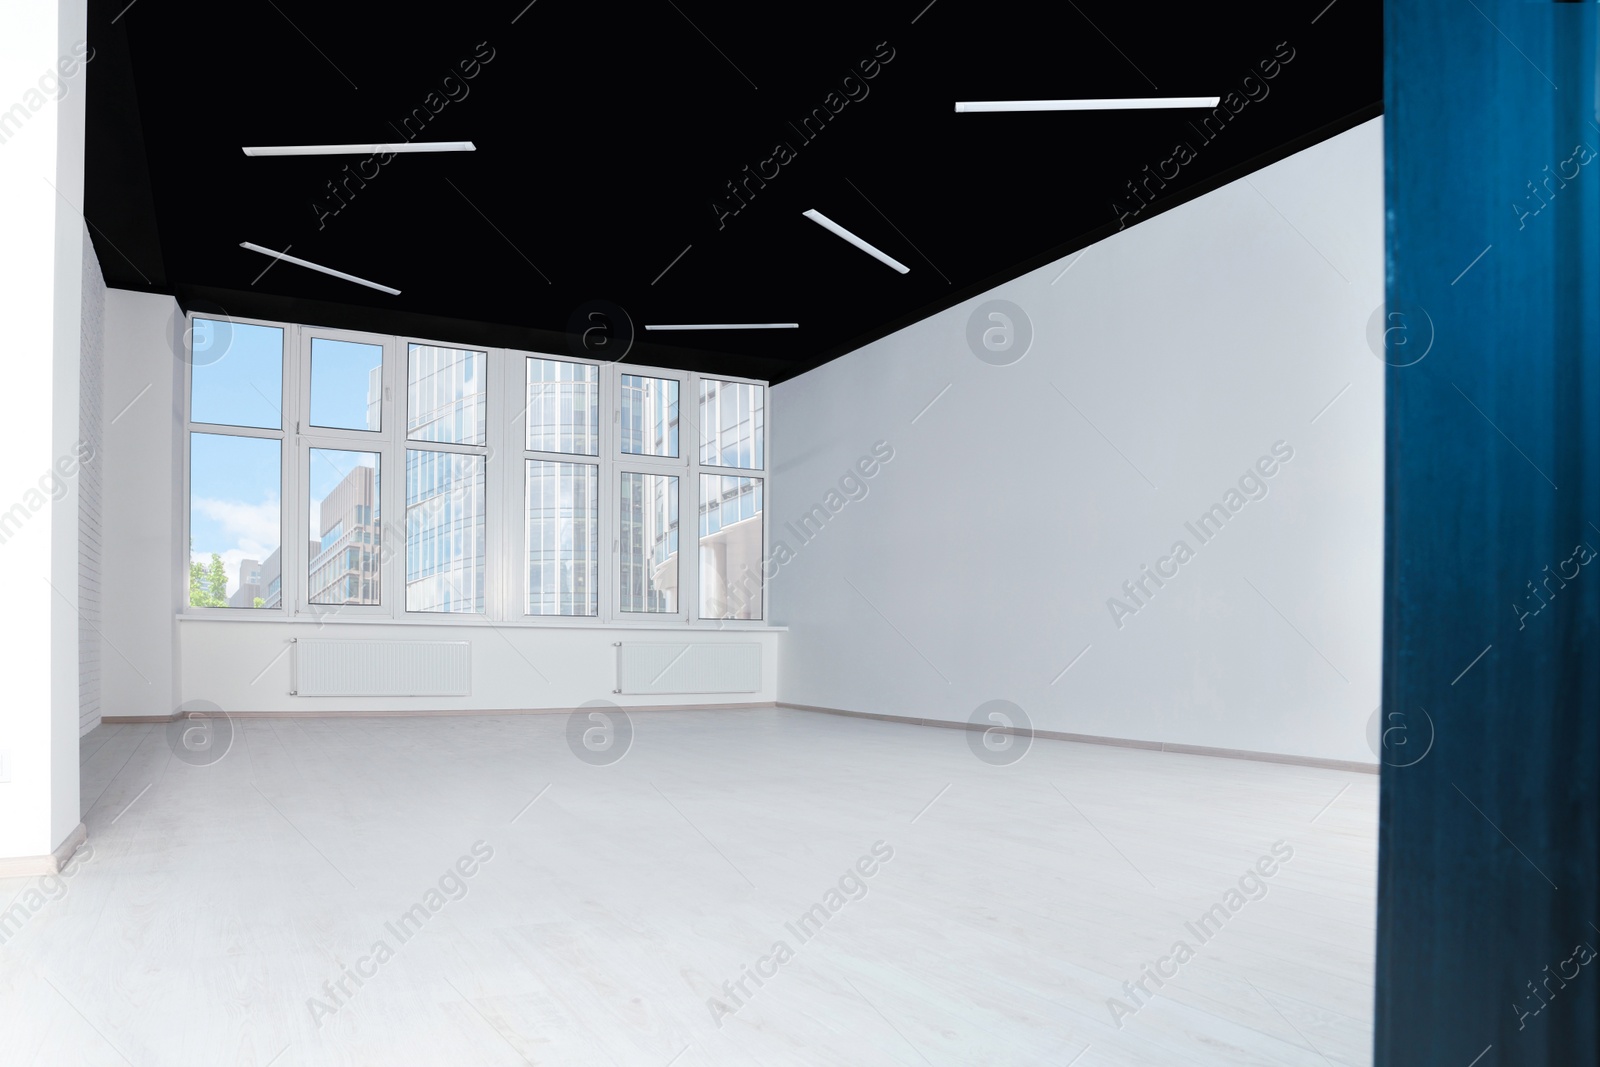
x,y
1489,896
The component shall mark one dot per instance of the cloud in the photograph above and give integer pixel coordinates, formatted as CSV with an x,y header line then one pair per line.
x,y
253,528
252,525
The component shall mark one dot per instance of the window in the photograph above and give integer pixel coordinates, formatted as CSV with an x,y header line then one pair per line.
x,y
732,538
732,424
345,514
563,538
444,531
649,416
445,395
562,498
730,547
235,471
563,407
234,518
649,552
237,377
346,384
446,403
334,473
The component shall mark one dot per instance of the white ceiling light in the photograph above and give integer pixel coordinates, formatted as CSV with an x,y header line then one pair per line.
x,y
828,224
297,261
1133,103
726,326
359,149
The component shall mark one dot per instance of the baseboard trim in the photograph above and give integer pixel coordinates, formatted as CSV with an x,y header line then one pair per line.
x,y
49,863
1115,742
130,720
946,724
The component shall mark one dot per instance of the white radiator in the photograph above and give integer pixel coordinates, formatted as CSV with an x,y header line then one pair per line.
x,y
692,667
381,669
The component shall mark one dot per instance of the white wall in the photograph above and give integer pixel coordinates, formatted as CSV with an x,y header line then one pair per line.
x,y
244,666
91,431
153,664
1172,354
41,264
140,500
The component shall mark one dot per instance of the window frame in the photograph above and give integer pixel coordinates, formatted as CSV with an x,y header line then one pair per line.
x,y
308,437
404,443
634,463
763,474
185,479
514,570
505,454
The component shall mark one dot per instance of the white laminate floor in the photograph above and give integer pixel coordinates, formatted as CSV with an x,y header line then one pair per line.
x,y
214,902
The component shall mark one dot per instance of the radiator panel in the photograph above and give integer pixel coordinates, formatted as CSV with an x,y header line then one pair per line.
x,y
691,667
382,668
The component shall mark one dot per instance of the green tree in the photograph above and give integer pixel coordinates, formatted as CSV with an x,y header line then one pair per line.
x,y
219,581
208,587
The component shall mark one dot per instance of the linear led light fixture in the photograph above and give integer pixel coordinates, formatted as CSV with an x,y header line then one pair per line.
x,y
828,224
726,326
297,261
359,149
1130,103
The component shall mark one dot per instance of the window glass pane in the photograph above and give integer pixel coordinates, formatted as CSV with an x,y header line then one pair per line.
x,y
732,424
563,407
730,547
649,416
563,538
345,534
346,384
238,374
444,531
649,542
445,396
235,521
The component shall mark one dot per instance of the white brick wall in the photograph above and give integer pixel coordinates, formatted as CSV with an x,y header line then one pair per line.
x,y
91,422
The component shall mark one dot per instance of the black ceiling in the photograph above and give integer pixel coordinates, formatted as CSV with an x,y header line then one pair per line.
x,y
606,133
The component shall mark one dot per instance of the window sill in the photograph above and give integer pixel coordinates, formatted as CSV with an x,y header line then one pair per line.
x,y
731,626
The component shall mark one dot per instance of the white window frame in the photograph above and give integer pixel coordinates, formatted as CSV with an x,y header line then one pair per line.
x,y
283,436
505,486
513,573
308,437
672,466
761,473
491,450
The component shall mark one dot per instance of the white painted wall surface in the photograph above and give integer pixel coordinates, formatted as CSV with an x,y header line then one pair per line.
x,y
140,502
41,265
91,430
244,666
1165,361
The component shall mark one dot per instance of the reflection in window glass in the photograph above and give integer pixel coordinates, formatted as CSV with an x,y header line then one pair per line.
x,y
346,384
444,531
649,542
732,424
730,547
649,416
345,533
235,521
445,396
563,407
563,538
237,375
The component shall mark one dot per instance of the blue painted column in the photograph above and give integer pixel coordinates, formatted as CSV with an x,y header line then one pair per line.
x,y
1489,894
